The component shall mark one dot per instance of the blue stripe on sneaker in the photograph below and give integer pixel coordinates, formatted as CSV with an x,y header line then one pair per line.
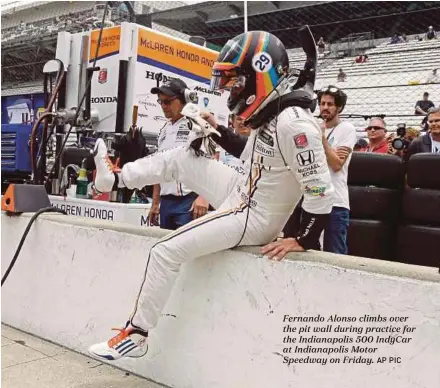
x,y
129,350
128,340
121,350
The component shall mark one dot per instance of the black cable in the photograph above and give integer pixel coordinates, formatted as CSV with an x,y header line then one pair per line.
x,y
20,245
276,132
78,111
48,135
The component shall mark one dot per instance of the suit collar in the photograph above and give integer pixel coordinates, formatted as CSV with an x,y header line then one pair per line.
x,y
427,139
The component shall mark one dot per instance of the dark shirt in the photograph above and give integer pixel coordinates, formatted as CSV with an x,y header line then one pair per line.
x,y
424,105
231,142
430,35
420,144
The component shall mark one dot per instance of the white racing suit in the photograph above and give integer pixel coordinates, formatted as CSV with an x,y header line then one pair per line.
x,y
284,160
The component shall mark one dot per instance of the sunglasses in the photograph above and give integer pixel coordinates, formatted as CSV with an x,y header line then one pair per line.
x,y
166,102
375,128
332,89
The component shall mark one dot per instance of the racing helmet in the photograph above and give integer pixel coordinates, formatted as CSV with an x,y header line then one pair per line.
x,y
250,66
339,96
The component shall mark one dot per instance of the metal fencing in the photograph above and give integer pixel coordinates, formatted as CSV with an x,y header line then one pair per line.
x,y
384,55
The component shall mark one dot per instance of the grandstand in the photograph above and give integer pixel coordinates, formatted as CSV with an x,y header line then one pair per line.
x,y
30,29
29,37
389,83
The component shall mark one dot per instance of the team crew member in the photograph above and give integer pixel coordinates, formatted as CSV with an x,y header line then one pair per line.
x,y
252,205
339,139
176,205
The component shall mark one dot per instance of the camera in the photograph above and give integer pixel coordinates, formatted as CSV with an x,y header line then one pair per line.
x,y
400,143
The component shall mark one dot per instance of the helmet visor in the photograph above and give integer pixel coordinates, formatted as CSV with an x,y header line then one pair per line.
x,y
226,80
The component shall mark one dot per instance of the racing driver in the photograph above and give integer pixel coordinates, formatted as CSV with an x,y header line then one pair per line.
x,y
284,160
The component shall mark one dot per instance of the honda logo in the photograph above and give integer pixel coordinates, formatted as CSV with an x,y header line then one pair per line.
x,y
305,158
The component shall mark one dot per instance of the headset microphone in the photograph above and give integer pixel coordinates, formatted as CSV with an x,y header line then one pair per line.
x,y
190,96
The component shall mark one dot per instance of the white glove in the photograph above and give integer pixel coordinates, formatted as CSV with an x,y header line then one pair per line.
x,y
192,112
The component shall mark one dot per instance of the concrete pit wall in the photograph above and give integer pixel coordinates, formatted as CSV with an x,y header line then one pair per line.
x,y
223,326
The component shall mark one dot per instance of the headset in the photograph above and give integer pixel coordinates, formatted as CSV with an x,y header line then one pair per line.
x,y
186,95
189,96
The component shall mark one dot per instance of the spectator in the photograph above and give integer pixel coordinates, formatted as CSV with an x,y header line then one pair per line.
x,y
395,39
433,78
341,76
424,124
321,45
174,203
404,38
376,132
239,129
431,34
361,58
410,135
360,144
422,106
431,141
339,139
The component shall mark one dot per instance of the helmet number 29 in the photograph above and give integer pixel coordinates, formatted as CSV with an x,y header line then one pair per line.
x,y
262,62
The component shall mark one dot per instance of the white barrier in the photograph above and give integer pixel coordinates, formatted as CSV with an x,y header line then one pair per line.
x,y
227,317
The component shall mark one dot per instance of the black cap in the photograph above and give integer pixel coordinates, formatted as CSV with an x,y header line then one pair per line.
x,y
171,88
362,143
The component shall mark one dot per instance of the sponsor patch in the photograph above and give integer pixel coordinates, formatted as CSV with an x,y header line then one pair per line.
x,y
182,135
250,100
312,180
102,76
266,137
315,191
300,140
262,150
273,126
305,158
309,170
245,198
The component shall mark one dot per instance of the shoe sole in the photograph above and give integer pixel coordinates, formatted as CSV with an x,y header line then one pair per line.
x,y
111,358
141,355
99,357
